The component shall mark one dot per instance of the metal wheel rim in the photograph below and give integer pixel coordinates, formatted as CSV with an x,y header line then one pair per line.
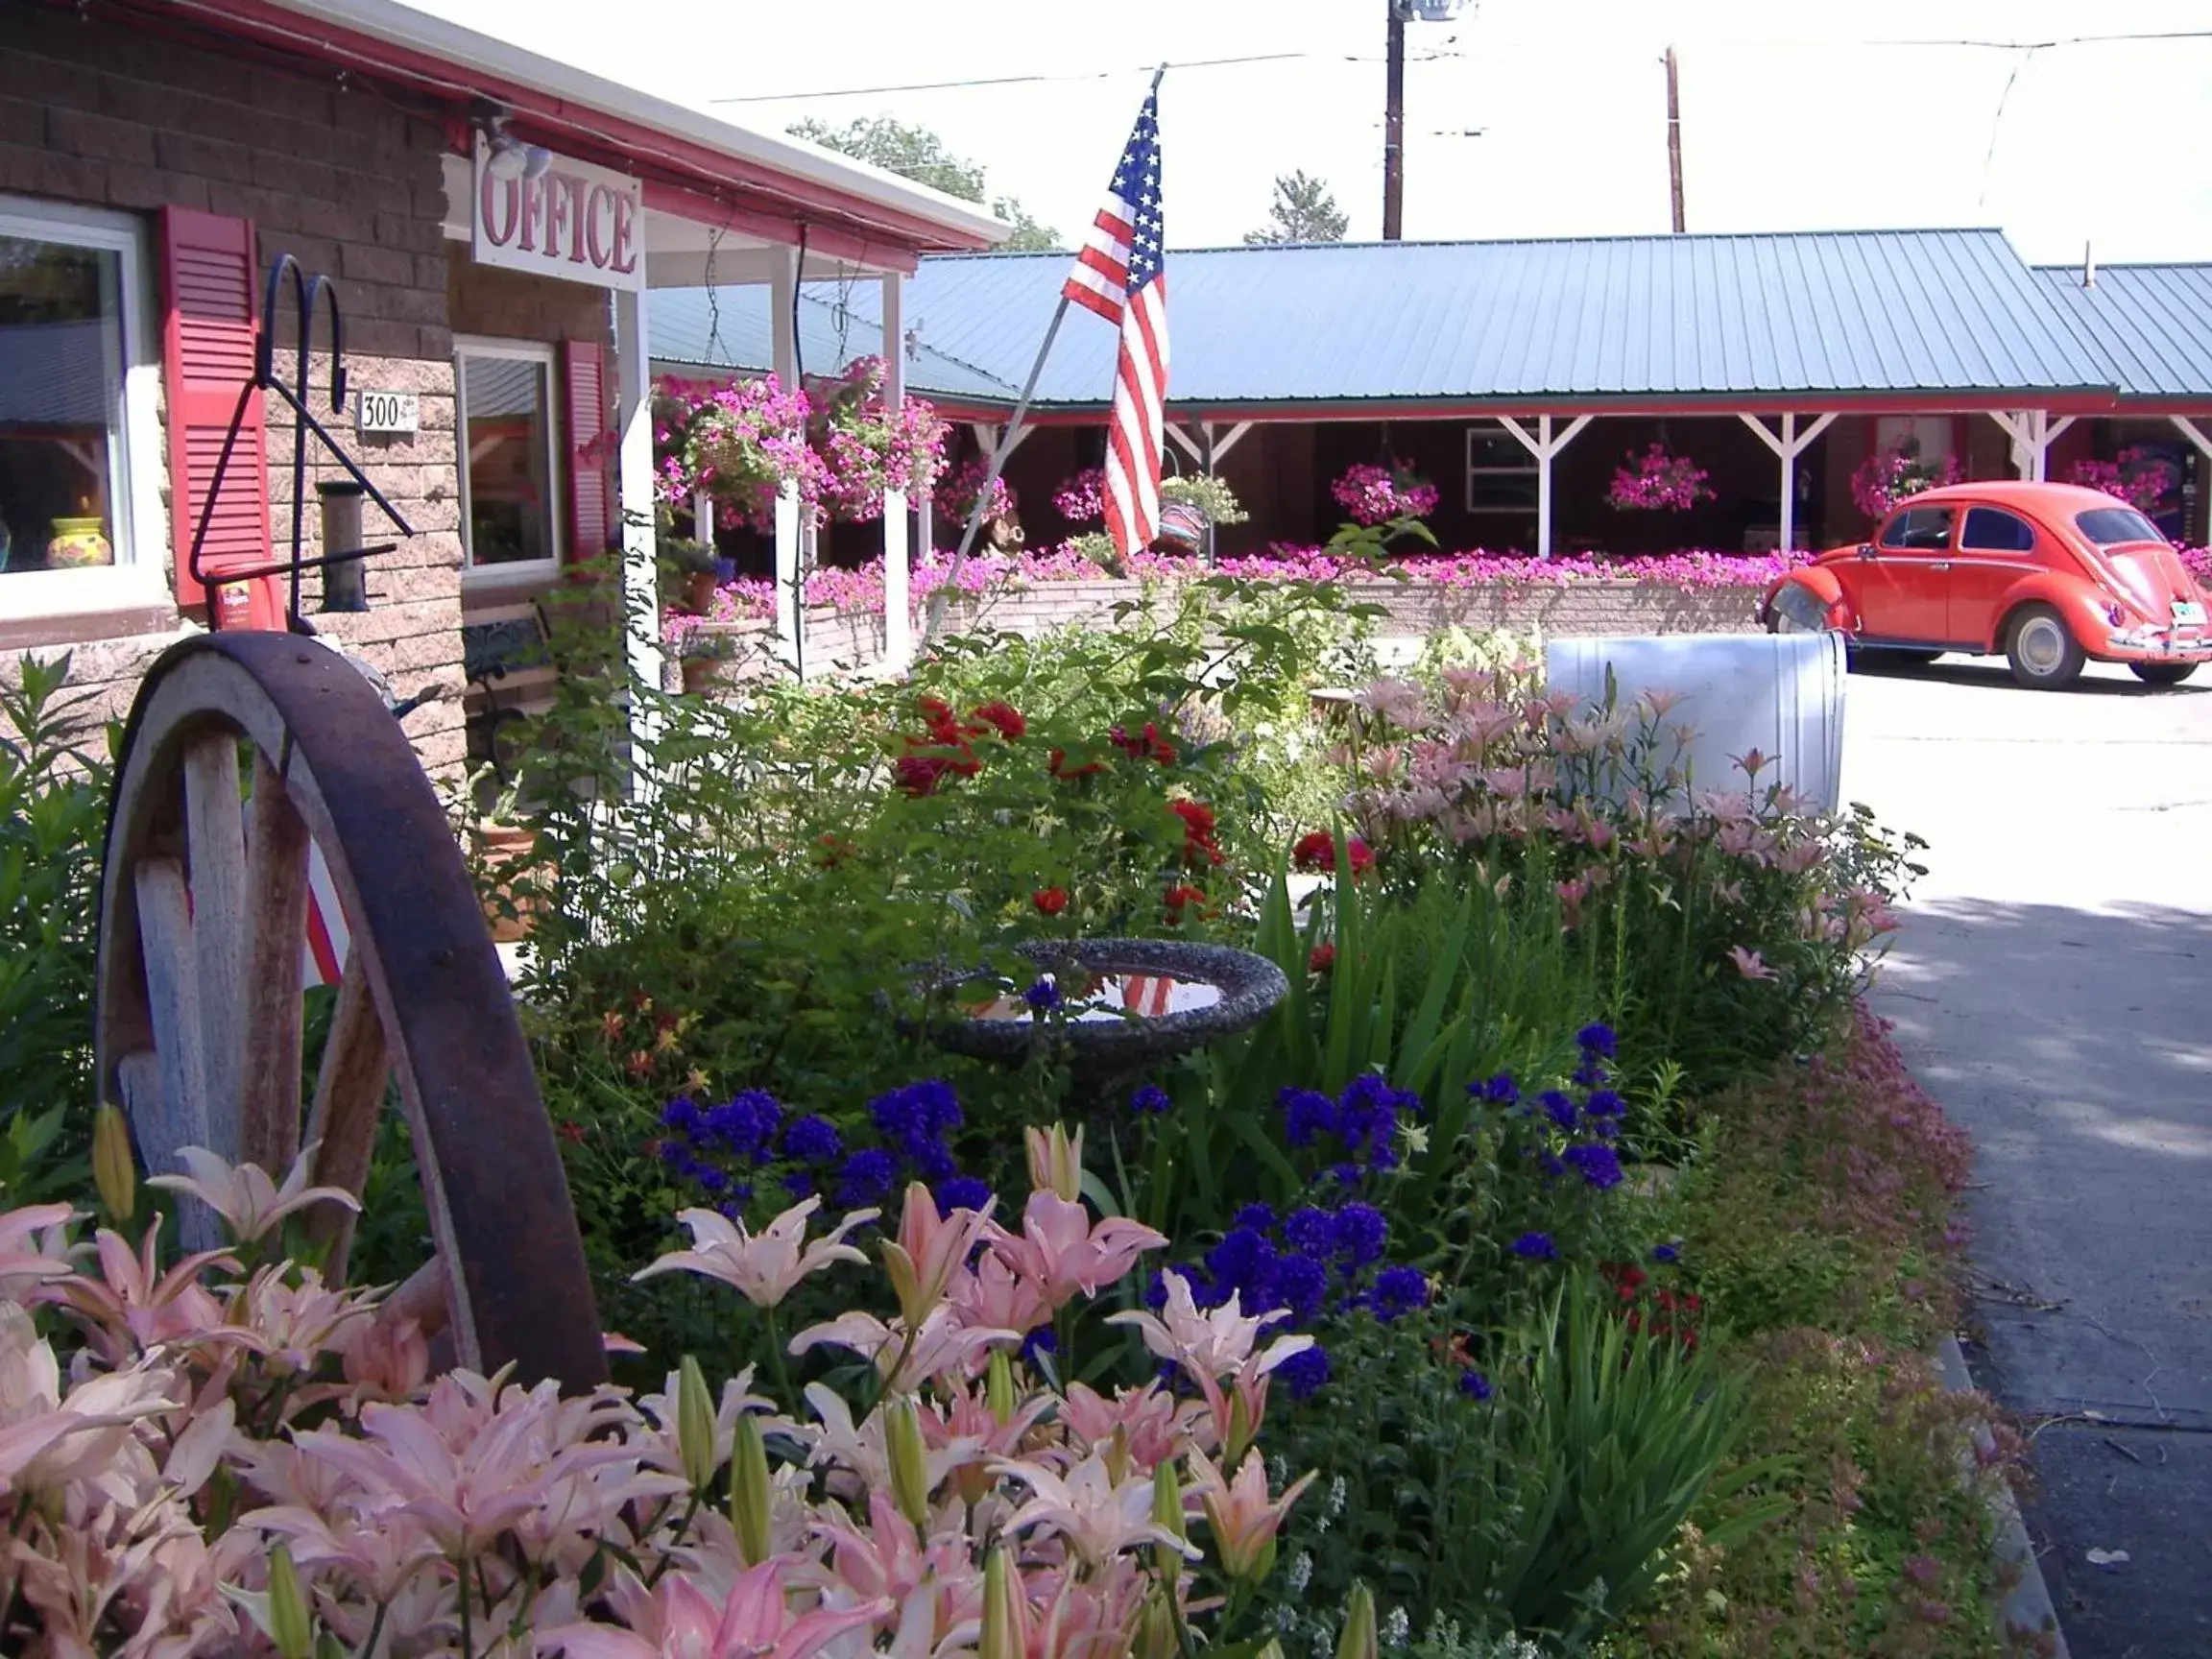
x,y
2042,644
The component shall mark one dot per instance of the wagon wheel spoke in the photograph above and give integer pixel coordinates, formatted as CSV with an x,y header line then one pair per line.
x,y
275,923
215,837
349,1098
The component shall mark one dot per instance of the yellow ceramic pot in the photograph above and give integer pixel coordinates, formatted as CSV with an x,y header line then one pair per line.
x,y
78,544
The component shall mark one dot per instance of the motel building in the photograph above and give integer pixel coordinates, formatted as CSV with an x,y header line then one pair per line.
x,y
494,223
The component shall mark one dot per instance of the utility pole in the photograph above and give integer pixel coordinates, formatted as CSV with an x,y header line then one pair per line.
x,y
1394,126
1675,138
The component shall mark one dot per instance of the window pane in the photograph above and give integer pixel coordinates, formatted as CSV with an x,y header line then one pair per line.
x,y
1923,529
506,414
1500,450
60,400
1990,530
1501,492
2110,526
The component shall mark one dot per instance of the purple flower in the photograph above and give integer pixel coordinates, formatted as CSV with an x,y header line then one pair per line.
x,y
1360,1233
812,1140
1039,1341
1535,1247
1398,1291
1666,1253
866,1178
799,1183
681,1113
1499,1090
1306,1113
1604,1103
1597,1039
1297,1283
1311,1232
1149,1101
1474,1385
1558,1108
1305,1373
1241,1262
1599,1165
963,1192
1259,1216
1044,997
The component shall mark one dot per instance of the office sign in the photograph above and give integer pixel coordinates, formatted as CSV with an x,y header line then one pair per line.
x,y
576,223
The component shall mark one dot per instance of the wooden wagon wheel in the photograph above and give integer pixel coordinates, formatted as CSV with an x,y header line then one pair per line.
x,y
200,1029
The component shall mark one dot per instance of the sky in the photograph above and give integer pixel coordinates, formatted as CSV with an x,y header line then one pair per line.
x,y
1796,115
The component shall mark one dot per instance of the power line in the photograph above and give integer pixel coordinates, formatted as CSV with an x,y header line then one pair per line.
x,y
1043,80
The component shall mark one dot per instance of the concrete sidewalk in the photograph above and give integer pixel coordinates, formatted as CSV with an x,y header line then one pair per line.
x,y
2053,988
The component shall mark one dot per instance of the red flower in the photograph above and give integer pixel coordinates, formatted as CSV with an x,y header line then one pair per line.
x,y
1318,852
1323,959
830,850
918,773
1148,745
1057,764
1198,845
1049,900
1180,897
1004,718
573,1133
934,711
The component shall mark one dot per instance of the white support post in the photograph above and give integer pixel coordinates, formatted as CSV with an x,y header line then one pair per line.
x,y
784,347
898,611
1792,444
703,519
633,428
1544,446
2031,431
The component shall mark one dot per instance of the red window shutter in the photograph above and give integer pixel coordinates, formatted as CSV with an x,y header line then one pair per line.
x,y
591,515
208,294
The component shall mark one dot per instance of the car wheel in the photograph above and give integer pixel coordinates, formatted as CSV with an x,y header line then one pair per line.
x,y
1796,610
2043,652
2161,673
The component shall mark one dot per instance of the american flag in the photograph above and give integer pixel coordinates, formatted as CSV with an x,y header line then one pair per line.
x,y
1122,274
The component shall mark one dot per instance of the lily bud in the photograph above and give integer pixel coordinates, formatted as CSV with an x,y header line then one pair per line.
x,y
695,1424
114,1177
1005,1609
1056,1161
1167,1516
1360,1639
290,1626
999,1385
1240,1430
910,1461
1156,1637
750,1492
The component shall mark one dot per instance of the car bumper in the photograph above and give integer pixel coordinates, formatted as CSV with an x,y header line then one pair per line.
x,y
2197,650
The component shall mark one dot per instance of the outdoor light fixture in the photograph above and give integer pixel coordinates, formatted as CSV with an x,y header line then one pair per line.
x,y
510,158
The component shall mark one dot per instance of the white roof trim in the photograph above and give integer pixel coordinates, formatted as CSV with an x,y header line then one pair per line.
x,y
417,31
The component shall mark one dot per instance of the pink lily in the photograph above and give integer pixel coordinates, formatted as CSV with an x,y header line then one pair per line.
x,y
1154,1427
1214,1343
248,1202
1243,1519
761,1268
680,1621
1098,1516
133,1305
1059,1253
931,1248
1749,964
25,1262
994,1294
941,1346
47,1441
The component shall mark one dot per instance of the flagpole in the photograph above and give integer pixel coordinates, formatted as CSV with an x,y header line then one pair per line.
x,y
942,594
1006,447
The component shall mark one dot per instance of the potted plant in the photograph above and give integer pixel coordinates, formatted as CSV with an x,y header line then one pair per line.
x,y
701,654
1890,476
744,442
2135,476
690,568
1378,494
503,856
1658,481
866,447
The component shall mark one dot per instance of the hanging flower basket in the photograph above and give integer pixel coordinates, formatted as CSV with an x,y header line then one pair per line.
x,y
2135,476
1378,494
957,490
1891,475
1081,498
742,441
866,447
1658,481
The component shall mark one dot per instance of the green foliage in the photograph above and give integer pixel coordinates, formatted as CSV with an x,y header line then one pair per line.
x,y
917,153
1303,210
53,827
1205,492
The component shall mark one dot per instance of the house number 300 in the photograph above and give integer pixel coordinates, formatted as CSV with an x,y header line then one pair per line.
x,y
388,412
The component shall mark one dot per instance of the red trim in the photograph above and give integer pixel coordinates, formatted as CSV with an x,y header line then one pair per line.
x,y
1715,407
208,266
592,511
608,139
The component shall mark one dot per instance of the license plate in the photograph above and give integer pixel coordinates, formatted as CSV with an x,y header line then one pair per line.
x,y
2189,613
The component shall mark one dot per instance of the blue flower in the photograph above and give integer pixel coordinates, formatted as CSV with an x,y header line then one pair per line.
x,y
1305,1373
1149,1101
747,1123
1306,1113
712,1179
1666,1253
1601,1166
1360,1233
812,1140
1041,1341
1241,1262
1297,1283
1558,1108
674,1153
963,1192
866,1178
1043,996
681,1113
1535,1247
1605,1128
1259,1216
1311,1232
799,1183
1156,1290
1597,1039
1474,1385
1499,1090
1398,1291
1604,1103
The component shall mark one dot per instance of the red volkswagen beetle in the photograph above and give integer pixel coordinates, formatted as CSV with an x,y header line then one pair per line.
x,y
2047,575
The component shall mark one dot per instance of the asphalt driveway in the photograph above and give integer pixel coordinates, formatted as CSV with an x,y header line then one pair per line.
x,y
2053,988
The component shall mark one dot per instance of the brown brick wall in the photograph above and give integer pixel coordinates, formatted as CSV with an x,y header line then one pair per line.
x,y
99,114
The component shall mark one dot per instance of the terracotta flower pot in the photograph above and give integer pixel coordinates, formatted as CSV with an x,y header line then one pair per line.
x,y
699,592
508,851
700,674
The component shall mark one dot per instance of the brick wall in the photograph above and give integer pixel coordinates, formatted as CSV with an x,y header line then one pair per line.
x,y
102,115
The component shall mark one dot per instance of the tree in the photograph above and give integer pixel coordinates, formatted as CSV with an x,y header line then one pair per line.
x,y
917,153
1305,211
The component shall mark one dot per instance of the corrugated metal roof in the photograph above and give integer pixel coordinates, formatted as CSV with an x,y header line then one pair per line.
x,y
2151,323
729,328
1583,320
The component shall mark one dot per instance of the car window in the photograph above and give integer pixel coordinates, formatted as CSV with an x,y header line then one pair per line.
x,y
1993,530
1922,529
2110,526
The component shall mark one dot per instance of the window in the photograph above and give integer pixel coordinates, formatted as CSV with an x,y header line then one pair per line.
x,y
1993,530
81,523
2112,526
1500,473
1920,530
1933,437
509,465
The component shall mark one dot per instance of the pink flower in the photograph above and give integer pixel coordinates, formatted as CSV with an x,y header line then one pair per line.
x,y
248,1202
1243,1518
1098,1515
763,1268
931,1248
1749,964
942,1346
680,1621
1214,1343
1154,1428
1059,1253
